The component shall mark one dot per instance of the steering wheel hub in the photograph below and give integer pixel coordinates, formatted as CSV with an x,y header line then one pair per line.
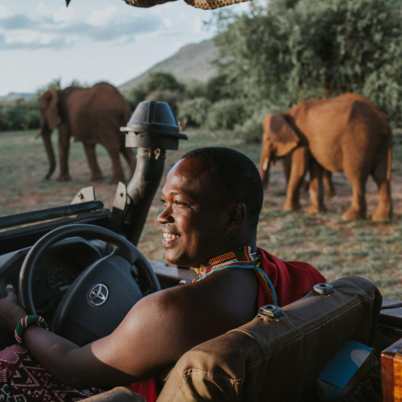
x,y
102,294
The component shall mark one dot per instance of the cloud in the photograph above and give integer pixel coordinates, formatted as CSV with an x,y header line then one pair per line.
x,y
19,31
32,41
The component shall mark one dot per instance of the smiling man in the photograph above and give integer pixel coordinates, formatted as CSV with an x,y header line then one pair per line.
x,y
212,198
201,219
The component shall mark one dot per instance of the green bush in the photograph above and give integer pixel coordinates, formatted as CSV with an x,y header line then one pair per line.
x,y
157,86
250,131
20,115
225,114
194,111
290,50
136,95
195,89
163,81
218,87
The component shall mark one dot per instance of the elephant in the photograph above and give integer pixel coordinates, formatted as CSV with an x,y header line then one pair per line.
x,y
91,115
329,189
347,134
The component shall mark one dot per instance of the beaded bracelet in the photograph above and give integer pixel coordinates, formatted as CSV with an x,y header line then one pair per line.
x,y
26,322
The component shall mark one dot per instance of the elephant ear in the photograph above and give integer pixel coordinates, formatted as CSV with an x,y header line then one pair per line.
x,y
51,108
283,137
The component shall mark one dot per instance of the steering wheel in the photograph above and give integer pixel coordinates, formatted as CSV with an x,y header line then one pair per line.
x,y
102,294
3,289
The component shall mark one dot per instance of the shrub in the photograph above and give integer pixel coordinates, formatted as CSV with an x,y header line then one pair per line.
x,y
157,86
195,89
250,131
19,115
225,114
194,111
136,95
163,81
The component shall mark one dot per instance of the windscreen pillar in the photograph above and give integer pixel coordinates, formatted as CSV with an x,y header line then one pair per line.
x,y
153,130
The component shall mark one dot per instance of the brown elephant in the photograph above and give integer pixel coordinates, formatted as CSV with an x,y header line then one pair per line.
x,y
329,189
344,134
91,115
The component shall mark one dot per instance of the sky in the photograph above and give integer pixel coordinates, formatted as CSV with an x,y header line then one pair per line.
x,y
91,40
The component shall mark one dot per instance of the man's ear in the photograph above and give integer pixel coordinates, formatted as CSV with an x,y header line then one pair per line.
x,y
237,215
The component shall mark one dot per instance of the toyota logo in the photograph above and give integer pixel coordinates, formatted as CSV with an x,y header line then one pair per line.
x,y
98,295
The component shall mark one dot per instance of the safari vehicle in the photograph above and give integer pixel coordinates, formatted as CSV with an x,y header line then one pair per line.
x,y
77,264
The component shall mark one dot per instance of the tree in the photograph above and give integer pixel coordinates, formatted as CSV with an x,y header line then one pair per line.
x,y
163,81
290,50
157,82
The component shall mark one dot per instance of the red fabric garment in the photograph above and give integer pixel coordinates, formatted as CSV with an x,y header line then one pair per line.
x,y
146,388
291,279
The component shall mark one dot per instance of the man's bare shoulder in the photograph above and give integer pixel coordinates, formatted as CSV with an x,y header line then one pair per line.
x,y
165,324
174,319
219,303
174,301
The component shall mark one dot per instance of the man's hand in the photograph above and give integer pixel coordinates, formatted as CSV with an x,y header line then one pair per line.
x,y
10,311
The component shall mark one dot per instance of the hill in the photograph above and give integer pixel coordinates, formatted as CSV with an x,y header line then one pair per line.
x,y
191,62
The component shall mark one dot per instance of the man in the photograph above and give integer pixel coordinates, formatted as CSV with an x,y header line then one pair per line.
x,y
211,200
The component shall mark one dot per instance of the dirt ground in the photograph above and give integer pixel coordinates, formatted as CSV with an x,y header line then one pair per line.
x,y
337,248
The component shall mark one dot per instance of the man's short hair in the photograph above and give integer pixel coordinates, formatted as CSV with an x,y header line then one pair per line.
x,y
236,173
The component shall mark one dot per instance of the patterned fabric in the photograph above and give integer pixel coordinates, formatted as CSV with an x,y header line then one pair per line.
x,y
23,380
203,4
211,4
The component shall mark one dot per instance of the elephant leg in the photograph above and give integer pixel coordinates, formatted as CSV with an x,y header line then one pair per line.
x,y
329,188
358,208
118,174
286,164
96,173
297,172
64,150
316,188
130,158
381,176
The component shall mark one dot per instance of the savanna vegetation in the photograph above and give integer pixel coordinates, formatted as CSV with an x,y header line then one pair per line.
x,y
289,50
23,113
270,58
337,248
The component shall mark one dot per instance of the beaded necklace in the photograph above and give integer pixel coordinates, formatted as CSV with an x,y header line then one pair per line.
x,y
244,258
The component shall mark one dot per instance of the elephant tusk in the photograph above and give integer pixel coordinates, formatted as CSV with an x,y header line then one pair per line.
x,y
265,165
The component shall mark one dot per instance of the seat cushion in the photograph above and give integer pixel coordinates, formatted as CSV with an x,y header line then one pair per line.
x,y
277,360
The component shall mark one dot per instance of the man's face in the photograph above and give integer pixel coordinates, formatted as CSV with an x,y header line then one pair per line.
x,y
194,219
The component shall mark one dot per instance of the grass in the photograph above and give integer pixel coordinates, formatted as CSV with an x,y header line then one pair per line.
x,y
336,248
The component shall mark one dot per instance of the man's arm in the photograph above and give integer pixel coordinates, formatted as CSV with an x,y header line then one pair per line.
x,y
135,349
152,335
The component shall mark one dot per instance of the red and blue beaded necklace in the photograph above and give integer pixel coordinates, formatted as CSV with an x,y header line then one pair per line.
x,y
244,258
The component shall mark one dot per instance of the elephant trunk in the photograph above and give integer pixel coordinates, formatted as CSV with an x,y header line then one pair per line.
x,y
264,170
45,133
